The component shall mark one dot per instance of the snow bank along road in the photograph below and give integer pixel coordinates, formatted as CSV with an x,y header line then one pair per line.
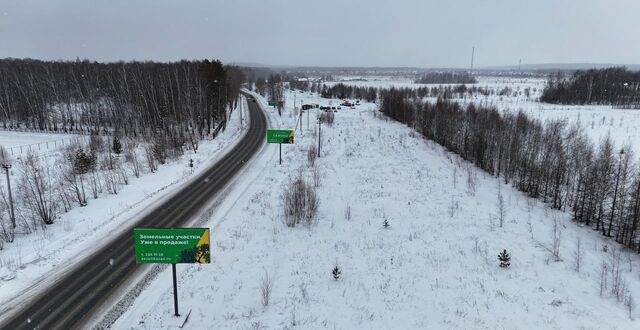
x,y
69,302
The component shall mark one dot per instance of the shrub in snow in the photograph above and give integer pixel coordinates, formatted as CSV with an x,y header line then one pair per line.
x,y
505,259
556,236
578,254
151,159
315,176
4,156
37,190
265,289
386,224
327,117
82,162
630,304
95,143
501,208
300,201
159,150
131,157
312,154
336,272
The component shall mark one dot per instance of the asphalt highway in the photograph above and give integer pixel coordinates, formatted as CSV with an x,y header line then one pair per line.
x,y
70,302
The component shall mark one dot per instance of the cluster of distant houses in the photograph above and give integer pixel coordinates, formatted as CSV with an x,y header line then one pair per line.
x,y
348,104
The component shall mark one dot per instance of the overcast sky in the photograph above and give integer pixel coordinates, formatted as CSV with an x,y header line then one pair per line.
x,y
419,33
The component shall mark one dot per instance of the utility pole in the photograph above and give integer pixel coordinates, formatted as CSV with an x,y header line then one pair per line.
x,y
6,167
225,107
308,119
210,120
300,119
519,65
319,133
473,51
218,83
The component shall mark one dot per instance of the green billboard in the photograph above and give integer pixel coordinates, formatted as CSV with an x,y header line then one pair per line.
x,y
172,246
280,136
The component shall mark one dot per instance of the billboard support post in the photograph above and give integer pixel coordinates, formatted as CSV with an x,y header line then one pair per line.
x,y
280,144
175,290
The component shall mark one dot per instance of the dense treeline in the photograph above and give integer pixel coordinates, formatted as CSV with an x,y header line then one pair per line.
x,y
272,88
153,112
253,73
614,86
371,94
448,92
446,78
132,98
552,161
339,91
342,91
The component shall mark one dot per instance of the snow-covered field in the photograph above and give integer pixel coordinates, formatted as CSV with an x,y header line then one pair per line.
x,y
373,81
20,143
399,82
623,126
597,121
434,267
35,259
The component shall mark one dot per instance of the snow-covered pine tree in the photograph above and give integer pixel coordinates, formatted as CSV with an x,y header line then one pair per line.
x,y
336,272
505,259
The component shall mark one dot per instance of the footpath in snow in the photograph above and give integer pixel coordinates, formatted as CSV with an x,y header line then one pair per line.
x,y
36,260
434,267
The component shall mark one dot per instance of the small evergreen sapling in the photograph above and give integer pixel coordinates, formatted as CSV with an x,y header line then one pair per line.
x,y
336,272
117,146
385,224
505,259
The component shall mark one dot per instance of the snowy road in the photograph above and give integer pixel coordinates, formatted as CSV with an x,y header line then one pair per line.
x,y
73,298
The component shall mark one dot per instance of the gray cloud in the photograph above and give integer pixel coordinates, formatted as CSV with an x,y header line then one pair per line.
x,y
327,32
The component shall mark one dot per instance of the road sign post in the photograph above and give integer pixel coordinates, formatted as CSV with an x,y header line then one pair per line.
x,y
172,246
280,137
